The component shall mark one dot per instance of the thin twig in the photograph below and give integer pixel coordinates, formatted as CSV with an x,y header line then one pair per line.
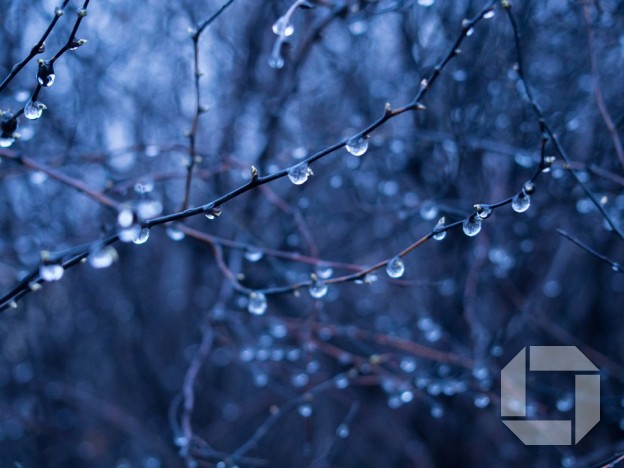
x,y
615,266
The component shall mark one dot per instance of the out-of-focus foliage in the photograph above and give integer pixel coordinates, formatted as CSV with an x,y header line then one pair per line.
x,y
119,366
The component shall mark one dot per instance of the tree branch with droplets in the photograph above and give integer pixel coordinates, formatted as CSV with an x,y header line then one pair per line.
x,y
134,229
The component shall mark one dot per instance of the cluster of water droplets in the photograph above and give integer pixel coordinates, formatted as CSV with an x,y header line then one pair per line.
x,y
283,28
431,329
129,228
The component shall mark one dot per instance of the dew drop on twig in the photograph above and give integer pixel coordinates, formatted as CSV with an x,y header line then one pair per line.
x,y
395,267
254,254
282,27
300,173
34,110
142,236
102,256
318,289
472,226
51,271
257,303
357,145
521,202
174,233
438,233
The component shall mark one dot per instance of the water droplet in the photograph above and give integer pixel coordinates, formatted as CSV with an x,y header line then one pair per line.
x,y
174,233
299,174
408,365
180,441
470,32
276,61
407,396
144,186
6,142
45,73
102,256
34,110
212,212
51,271
616,267
437,411
565,403
480,372
125,218
425,323
324,272
282,27
481,401
433,334
395,267
394,402
77,43
438,233
257,303
548,162
428,210
305,410
318,289
489,14
426,3
357,145
300,380
142,236
528,187
483,211
151,151
521,202
341,381
570,461
147,209
525,160
472,226
130,233
342,431
261,380
38,177
254,254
